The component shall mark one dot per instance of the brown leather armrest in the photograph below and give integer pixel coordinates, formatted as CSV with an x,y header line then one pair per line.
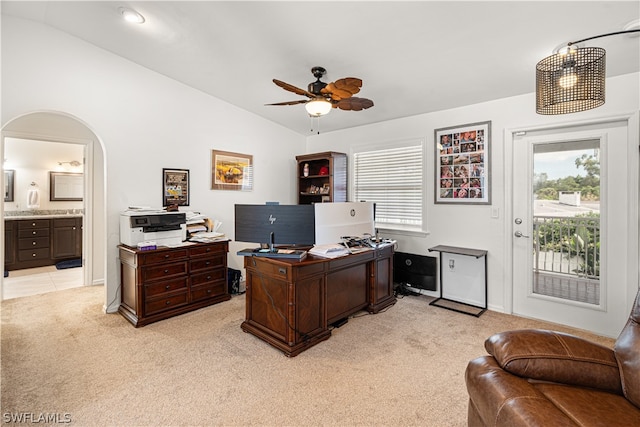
x,y
553,356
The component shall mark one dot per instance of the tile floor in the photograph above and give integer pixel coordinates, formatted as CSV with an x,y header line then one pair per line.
x,y
32,281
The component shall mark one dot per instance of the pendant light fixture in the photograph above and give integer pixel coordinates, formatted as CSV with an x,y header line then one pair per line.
x,y
573,79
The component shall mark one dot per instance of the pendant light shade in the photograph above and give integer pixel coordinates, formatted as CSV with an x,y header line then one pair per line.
x,y
571,81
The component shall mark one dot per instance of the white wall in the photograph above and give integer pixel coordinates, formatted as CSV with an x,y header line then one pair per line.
x,y
146,122
473,226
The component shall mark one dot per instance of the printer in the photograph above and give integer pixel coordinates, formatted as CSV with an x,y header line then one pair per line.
x,y
164,228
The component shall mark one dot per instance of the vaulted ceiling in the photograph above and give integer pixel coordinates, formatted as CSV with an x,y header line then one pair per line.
x,y
414,57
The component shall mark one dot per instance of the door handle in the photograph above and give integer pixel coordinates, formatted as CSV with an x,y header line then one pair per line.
x,y
519,234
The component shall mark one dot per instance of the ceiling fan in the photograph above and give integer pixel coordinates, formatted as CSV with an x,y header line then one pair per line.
x,y
324,96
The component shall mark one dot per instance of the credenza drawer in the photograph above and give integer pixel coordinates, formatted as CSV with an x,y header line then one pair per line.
x,y
206,263
209,276
220,248
164,287
162,304
162,256
211,290
164,271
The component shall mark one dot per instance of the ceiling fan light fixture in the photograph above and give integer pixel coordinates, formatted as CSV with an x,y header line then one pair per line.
x,y
318,107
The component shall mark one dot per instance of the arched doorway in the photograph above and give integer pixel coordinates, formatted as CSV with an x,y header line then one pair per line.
x,y
58,127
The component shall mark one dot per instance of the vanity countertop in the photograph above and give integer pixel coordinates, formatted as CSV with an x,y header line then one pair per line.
x,y
60,213
16,217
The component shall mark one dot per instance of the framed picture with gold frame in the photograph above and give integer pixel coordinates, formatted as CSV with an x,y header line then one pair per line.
x,y
231,171
463,164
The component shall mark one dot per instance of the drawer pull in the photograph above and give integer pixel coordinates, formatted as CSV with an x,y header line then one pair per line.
x,y
208,291
167,256
33,224
33,255
33,233
208,277
168,287
166,271
168,302
282,270
33,243
207,263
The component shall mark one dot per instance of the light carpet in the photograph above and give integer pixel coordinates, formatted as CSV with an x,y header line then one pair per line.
x,y
405,366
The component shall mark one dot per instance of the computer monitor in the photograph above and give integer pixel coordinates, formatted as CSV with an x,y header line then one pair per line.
x,y
340,219
274,224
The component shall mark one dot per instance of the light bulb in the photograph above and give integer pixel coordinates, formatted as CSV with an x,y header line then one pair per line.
x,y
568,80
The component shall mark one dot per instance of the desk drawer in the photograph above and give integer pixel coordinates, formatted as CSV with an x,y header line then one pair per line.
x,y
164,287
163,271
162,304
34,243
208,263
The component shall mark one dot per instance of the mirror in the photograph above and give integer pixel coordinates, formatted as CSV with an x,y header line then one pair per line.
x,y
8,185
66,186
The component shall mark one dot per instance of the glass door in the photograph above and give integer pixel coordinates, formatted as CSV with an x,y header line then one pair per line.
x,y
569,248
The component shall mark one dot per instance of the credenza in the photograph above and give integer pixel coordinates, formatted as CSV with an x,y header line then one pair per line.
x,y
165,282
293,305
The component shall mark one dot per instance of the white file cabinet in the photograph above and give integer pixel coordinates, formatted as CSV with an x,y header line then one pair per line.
x,y
463,279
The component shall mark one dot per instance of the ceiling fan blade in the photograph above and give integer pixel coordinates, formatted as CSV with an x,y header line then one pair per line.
x,y
354,104
302,101
292,88
343,88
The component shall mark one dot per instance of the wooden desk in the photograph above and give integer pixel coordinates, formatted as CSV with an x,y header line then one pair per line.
x,y
292,304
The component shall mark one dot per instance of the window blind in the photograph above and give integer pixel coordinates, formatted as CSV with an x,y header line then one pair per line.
x,y
392,178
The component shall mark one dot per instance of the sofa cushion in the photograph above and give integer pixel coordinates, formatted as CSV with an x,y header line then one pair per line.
x,y
589,407
627,351
553,356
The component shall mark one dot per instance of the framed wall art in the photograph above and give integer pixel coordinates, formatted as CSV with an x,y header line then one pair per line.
x,y
463,164
8,185
231,171
175,187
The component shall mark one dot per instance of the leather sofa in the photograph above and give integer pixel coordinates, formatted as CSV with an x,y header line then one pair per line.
x,y
536,377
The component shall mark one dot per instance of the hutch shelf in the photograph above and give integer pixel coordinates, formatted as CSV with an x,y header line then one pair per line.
x,y
322,177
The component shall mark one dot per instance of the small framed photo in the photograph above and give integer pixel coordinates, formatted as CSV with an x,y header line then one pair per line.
x,y
231,171
463,164
175,187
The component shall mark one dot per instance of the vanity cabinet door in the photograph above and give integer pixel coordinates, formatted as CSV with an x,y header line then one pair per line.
x,y
66,238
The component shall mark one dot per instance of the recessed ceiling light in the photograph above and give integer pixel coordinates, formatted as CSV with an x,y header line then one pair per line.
x,y
131,15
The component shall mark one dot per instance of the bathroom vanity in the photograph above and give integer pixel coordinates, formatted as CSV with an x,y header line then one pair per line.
x,y
41,240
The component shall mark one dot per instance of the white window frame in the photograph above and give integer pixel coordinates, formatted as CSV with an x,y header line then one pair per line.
x,y
396,228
